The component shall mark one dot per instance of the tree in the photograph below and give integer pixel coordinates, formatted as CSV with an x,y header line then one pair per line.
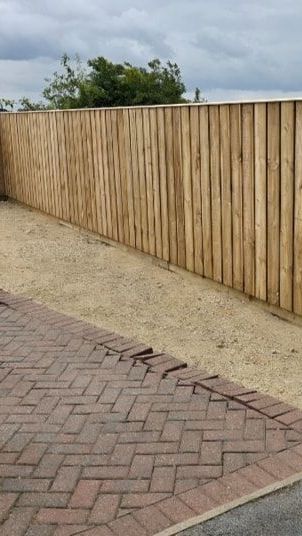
x,y
65,89
105,84
197,95
22,105
26,105
6,105
114,84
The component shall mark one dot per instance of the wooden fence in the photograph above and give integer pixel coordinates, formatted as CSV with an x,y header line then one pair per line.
x,y
215,189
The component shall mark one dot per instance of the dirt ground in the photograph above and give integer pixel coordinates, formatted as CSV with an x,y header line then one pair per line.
x,y
194,319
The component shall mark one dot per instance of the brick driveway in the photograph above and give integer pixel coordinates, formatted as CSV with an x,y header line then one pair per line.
x,y
101,436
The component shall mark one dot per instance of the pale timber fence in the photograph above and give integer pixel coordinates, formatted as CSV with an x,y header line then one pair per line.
x,y
213,188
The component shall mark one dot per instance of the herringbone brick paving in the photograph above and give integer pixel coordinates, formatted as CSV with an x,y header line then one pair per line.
x,y
95,442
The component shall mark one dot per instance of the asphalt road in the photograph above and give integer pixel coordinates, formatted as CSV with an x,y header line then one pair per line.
x,y
278,514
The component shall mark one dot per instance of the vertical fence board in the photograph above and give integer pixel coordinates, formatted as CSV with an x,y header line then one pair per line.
x,y
163,184
215,192
156,182
98,174
90,172
52,165
72,139
86,171
260,201
104,153
18,126
3,187
297,288
36,163
49,171
81,186
78,185
27,166
55,165
32,160
226,195
148,175
24,174
206,191
34,175
187,186
248,198
135,177
5,141
287,204
171,186
117,176
237,199
273,202
45,178
123,174
7,158
196,189
49,176
53,170
142,179
39,177
28,162
82,177
111,175
17,174
14,159
129,178
21,161
62,164
179,188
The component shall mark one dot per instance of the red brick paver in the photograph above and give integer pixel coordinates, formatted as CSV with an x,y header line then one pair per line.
x,y
99,435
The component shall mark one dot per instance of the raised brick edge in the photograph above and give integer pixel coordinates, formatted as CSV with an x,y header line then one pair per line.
x,y
167,365
229,491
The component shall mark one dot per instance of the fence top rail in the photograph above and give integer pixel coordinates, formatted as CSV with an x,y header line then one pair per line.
x,y
206,103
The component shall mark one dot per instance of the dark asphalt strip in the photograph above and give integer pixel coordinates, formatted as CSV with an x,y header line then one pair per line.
x,y
277,514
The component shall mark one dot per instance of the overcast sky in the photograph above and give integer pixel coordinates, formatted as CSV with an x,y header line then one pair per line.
x,y
229,48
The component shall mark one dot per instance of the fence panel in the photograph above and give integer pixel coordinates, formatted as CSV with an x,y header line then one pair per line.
x,y
213,188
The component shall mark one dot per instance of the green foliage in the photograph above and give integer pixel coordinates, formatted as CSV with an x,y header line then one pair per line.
x,y
110,84
22,105
6,105
104,84
64,90
197,95
26,105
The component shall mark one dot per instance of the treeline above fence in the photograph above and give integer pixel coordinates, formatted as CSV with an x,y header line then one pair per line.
x,y
215,189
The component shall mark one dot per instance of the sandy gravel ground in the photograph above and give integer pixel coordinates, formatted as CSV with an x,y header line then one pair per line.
x,y
194,319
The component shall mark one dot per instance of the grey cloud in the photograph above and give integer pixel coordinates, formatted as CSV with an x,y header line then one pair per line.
x,y
27,48
222,46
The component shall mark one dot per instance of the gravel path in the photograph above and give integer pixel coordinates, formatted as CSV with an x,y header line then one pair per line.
x,y
194,319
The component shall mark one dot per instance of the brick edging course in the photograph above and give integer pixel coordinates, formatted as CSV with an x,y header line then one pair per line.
x,y
210,496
